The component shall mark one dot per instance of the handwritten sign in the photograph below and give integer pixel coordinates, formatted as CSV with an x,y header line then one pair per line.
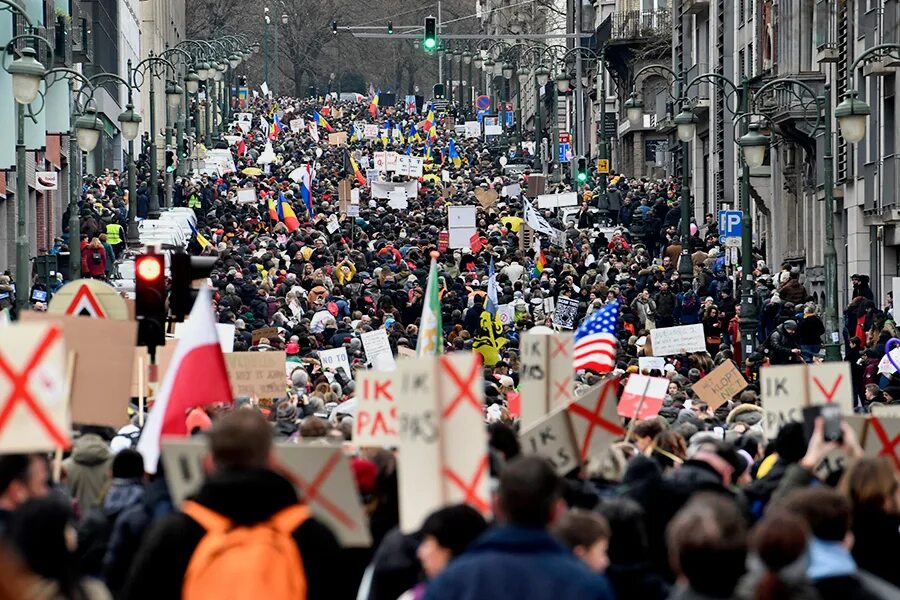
x,y
783,390
376,411
378,350
552,438
545,375
334,359
652,362
264,332
682,339
720,385
337,139
566,312
259,374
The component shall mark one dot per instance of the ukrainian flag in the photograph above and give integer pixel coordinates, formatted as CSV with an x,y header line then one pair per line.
x,y
453,154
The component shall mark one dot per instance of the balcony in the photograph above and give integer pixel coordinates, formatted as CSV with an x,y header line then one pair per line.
x,y
891,187
695,7
699,91
635,25
826,32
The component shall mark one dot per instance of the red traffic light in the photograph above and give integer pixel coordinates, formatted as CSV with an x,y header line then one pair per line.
x,y
149,267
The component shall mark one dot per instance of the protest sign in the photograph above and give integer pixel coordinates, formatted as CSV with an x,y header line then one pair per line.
x,y
486,197
378,350
565,313
512,190
321,475
650,363
440,413
296,125
882,438
164,356
332,224
834,463
338,138
416,166
334,359
536,185
264,332
594,420
101,380
783,391
397,199
246,195
382,189
885,410
682,339
642,397
549,305
89,298
557,200
376,410
552,438
379,161
829,383
405,352
34,388
256,374
545,377
506,313
473,129
720,385
370,131
390,161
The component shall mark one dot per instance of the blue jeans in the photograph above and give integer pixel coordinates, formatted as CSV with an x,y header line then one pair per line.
x,y
807,352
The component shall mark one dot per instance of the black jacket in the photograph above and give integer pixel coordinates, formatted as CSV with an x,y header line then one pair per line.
x,y
246,497
781,346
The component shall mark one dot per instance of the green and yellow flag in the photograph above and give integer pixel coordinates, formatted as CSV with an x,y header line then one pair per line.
x,y
431,329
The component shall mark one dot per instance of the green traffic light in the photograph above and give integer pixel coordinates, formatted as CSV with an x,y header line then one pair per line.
x,y
429,43
582,177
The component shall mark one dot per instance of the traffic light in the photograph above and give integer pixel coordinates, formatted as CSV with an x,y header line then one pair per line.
x,y
334,27
185,270
429,42
390,27
150,299
438,91
170,161
581,170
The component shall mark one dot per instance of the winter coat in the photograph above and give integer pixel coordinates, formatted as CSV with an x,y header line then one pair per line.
x,y
781,346
644,309
874,532
665,304
246,497
793,291
96,529
517,563
89,265
810,330
87,470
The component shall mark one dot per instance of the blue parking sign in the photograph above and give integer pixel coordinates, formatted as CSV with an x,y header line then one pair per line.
x,y
564,151
730,223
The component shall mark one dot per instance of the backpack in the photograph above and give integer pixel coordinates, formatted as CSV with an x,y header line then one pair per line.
x,y
96,258
258,561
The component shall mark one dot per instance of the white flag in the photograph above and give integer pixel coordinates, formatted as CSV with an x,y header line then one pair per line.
x,y
536,221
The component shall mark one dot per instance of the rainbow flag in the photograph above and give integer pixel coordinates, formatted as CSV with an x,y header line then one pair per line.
x,y
540,261
320,120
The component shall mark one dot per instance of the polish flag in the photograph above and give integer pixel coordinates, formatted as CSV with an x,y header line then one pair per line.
x,y
196,377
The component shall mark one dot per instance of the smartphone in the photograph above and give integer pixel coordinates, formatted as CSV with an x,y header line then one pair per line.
x,y
831,413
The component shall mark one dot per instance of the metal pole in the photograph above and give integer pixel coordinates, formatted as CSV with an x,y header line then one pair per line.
x,y
538,130
132,233
74,191
470,89
210,90
579,90
832,345
153,207
179,132
266,53
440,54
169,174
23,273
748,320
685,265
462,88
275,61
601,73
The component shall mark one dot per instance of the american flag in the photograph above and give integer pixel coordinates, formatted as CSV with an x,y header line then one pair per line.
x,y
595,340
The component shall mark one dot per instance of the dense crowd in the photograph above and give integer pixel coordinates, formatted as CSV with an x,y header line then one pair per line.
x,y
695,503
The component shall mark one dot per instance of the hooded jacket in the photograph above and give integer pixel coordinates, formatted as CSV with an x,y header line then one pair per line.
x,y
87,470
246,497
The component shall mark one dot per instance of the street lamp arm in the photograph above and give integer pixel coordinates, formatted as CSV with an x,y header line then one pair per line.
x,y
14,6
720,81
11,46
587,53
184,55
875,52
790,85
149,64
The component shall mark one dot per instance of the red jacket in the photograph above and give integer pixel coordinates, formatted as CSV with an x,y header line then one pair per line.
x,y
91,266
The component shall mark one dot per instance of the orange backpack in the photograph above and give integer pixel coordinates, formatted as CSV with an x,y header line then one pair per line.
x,y
259,561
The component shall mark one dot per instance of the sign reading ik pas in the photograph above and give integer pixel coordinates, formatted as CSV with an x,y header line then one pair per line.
x,y
786,389
321,475
376,409
545,375
443,456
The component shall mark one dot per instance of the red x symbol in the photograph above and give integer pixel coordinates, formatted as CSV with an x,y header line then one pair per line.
x,y
471,491
562,389
888,446
595,419
311,490
559,348
463,388
20,389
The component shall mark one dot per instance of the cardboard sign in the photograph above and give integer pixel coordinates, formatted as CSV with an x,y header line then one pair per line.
x,y
594,420
882,438
512,190
552,438
246,195
332,225
829,383
565,313
296,125
443,455
487,198
682,339
264,332
404,352
642,397
720,385
536,185
546,374
376,410
783,391
338,138
334,359
34,389
321,475
104,365
378,350
256,374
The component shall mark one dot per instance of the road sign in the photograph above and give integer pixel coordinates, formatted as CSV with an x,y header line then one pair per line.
x,y
482,102
565,151
564,137
730,223
89,298
603,165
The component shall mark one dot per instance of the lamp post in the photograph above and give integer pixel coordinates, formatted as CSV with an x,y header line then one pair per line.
x,y
265,46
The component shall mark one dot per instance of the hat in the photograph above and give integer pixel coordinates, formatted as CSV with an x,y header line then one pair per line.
x,y
365,472
285,411
198,419
292,349
790,324
506,381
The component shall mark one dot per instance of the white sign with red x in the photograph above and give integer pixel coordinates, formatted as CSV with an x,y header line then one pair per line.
x,y
545,375
594,420
883,438
443,455
34,389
